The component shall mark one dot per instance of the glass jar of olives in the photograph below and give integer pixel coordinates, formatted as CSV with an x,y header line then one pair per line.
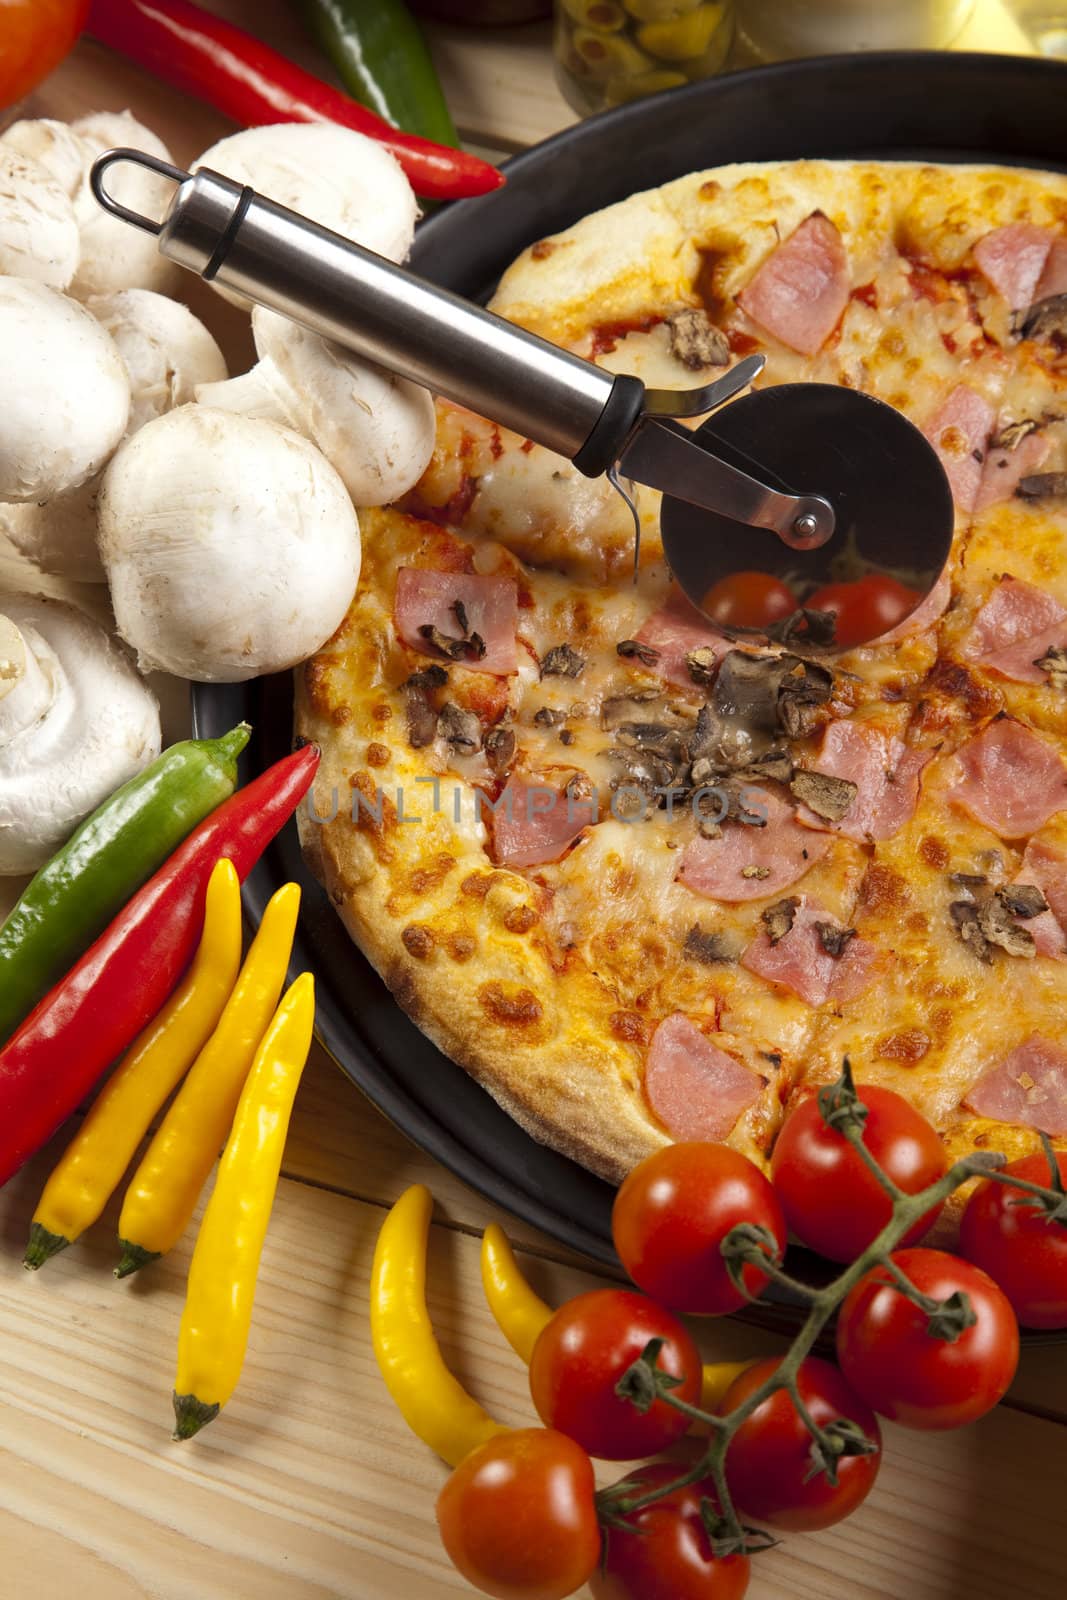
x,y
611,51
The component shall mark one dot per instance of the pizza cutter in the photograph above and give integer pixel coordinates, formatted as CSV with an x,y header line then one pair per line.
x,y
810,483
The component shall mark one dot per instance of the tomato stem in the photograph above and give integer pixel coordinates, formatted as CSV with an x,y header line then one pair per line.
x,y
843,1110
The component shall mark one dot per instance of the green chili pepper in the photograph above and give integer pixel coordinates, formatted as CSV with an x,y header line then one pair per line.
x,y
76,894
381,58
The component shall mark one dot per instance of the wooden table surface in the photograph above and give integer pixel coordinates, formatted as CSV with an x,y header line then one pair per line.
x,y
310,1487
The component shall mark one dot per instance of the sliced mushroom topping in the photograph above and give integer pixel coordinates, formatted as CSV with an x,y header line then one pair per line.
x,y
706,734
778,919
700,664
566,736
562,662
499,746
579,787
472,648
461,729
546,717
772,694
421,716
1046,320
747,688
711,948
986,919
644,652
626,708
1012,434
695,340
804,626
968,880
804,689
459,611
834,940
426,678
643,770
827,796
1023,899
776,766
1054,664
1043,486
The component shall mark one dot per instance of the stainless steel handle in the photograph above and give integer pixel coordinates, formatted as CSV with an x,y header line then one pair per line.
x,y
275,257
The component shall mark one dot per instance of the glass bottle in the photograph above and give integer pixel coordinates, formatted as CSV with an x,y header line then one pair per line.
x,y
775,30
611,51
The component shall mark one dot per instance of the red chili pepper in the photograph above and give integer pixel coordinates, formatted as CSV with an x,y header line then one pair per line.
x,y
95,1012
244,78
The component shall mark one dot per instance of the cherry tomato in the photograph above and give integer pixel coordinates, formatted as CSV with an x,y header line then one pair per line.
x,y
749,600
769,1458
1020,1247
668,1556
906,1373
831,1200
672,1214
518,1516
582,1353
864,608
36,35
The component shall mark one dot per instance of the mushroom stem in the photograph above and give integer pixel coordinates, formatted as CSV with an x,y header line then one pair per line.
x,y
25,689
249,394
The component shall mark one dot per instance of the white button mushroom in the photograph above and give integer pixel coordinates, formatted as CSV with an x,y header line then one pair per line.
x,y
334,175
76,722
167,352
375,428
66,397
58,535
230,545
112,254
38,233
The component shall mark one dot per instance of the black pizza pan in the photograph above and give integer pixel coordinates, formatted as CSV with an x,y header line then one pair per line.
x,y
899,106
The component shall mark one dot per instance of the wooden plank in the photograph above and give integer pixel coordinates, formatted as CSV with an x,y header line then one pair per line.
x,y
310,1486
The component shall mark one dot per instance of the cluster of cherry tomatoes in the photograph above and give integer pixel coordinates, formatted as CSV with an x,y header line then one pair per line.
x,y
520,1516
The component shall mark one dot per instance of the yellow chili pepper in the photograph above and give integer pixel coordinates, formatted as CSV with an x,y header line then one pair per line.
x,y
434,1404
521,1315
92,1165
164,1190
718,1376
222,1273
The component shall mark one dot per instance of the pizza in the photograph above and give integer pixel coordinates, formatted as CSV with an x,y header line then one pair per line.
x,y
648,881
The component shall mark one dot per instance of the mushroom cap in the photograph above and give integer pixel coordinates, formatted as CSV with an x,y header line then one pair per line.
x,y
113,255
333,175
54,145
38,232
377,429
230,544
100,729
167,351
58,535
66,396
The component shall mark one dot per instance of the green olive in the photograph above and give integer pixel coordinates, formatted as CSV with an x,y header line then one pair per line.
x,y
620,90
682,38
604,15
609,55
659,10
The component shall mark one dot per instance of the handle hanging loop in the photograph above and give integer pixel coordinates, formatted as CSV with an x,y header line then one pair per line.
x,y
138,158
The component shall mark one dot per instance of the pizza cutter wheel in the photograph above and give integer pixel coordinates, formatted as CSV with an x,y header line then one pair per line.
x,y
810,483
